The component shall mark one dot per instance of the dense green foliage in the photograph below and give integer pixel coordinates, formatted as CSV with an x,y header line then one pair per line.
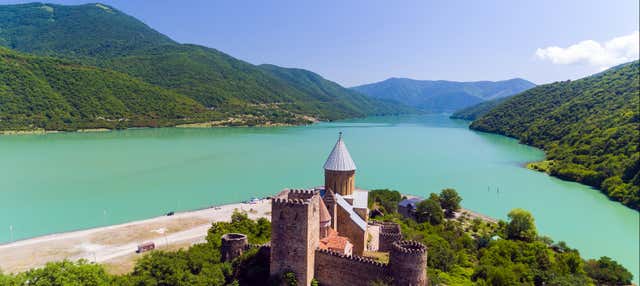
x,y
442,96
41,92
385,200
607,271
465,251
61,273
588,127
99,35
476,111
74,31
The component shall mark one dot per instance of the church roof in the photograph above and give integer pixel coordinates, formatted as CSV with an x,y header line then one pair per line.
x,y
352,214
339,159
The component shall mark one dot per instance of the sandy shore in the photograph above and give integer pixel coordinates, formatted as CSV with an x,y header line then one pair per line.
x,y
115,245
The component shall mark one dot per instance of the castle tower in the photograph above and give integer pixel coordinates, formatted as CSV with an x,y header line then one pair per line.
x,y
233,245
295,230
408,263
340,170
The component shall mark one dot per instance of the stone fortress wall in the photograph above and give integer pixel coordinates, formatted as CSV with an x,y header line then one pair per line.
x,y
335,269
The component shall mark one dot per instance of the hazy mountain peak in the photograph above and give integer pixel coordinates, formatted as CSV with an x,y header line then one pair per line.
x,y
442,95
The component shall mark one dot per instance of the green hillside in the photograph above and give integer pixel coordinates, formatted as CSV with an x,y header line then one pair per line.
x,y
89,30
41,92
99,35
588,127
475,111
441,95
325,94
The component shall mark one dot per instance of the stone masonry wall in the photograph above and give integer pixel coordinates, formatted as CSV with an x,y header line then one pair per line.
x,y
335,269
346,227
294,234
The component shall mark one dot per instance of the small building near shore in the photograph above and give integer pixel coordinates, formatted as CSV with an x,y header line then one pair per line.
x,y
407,207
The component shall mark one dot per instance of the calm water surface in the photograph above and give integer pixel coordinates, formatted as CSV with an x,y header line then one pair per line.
x,y
62,182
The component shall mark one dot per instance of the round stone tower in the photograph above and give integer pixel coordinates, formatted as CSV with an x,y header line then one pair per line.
x,y
408,263
340,170
233,245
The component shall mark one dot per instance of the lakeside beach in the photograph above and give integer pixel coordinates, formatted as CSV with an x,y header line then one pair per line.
x,y
115,245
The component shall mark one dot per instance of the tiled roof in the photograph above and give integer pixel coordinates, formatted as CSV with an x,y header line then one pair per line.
x,y
334,241
339,159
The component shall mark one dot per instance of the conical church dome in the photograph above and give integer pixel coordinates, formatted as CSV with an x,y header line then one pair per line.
x,y
340,159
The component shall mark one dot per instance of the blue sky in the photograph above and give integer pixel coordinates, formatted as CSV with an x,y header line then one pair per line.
x,y
357,42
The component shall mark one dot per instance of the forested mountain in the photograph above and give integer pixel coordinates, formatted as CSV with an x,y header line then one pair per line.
x,y
588,127
42,92
102,36
475,111
326,93
440,95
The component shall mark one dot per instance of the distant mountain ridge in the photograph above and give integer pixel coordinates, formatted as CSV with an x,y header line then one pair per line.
x,y
441,95
326,92
588,128
102,36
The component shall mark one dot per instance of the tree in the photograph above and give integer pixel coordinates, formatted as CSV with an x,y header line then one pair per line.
x,y
450,201
66,273
521,225
429,210
608,272
385,199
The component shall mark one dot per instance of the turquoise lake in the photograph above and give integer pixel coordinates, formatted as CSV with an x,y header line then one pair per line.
x,y
61,182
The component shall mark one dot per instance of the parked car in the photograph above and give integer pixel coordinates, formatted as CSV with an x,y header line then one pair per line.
x,y
147,246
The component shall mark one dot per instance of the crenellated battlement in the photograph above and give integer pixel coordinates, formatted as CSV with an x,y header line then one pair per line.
x,y
391,235
354,258
309,192
289,202
388,227
408,262
409,247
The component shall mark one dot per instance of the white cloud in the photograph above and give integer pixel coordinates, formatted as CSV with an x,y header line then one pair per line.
x,y
602,55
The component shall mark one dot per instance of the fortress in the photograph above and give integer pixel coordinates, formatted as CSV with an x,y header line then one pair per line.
x,y
323,233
